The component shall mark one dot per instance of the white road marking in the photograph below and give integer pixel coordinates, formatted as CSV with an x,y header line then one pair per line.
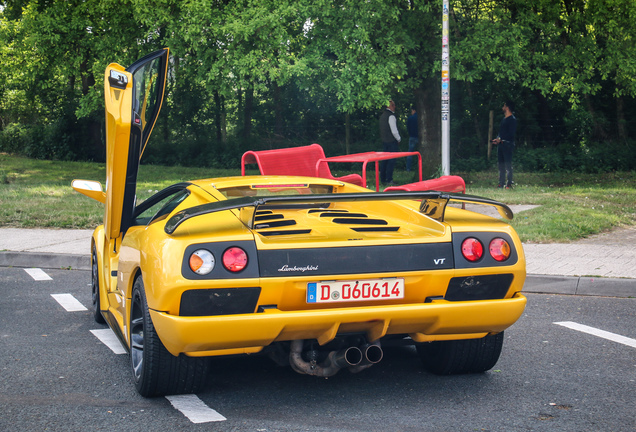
x,y
194,409
600,333
108,338
37,274
68,302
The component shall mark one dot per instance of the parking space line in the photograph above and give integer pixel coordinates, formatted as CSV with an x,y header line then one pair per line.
x,y
68,302
194,409
108,338
600,333
37,274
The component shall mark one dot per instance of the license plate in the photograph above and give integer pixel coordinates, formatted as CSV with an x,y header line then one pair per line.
x,y
361,290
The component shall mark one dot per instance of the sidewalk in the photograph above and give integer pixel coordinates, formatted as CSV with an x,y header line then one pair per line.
x,y
602,265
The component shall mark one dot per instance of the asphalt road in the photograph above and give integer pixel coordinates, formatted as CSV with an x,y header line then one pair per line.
x,y
57,375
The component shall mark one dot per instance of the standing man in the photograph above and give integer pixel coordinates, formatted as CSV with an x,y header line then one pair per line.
x,y
390,139
505,142
412,129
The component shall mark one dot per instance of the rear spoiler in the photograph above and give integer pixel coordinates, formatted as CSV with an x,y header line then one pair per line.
x,y
433,203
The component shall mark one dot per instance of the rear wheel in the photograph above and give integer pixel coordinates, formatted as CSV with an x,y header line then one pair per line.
x,y
156,371
97,313
461,356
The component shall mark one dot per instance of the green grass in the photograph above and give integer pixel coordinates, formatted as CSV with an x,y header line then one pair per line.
x,y
36,193
572,206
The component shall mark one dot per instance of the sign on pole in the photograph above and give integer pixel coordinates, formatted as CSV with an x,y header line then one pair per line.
x,y
445,92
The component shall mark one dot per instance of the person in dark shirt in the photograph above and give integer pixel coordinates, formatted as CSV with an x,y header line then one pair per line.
x,y
411,127
505,143
390,139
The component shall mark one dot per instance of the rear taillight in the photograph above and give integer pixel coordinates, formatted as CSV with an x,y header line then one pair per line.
x,y
472,249
201,262
235,259
499,249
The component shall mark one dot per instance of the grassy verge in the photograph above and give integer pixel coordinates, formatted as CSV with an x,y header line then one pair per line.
x,y
35,193
572,206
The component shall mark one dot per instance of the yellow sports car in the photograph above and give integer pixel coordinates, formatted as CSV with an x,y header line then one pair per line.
x,y
316,273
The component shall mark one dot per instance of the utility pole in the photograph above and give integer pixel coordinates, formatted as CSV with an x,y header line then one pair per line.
x,y
445,92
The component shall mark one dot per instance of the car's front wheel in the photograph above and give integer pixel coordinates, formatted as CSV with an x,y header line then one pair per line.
x,y
156,371
461,356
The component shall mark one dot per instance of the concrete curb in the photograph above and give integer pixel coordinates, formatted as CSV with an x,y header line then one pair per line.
x,y
575,285
541,284
45,260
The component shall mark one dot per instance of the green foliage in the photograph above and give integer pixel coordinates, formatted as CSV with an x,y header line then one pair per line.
x,y
611,156
257,74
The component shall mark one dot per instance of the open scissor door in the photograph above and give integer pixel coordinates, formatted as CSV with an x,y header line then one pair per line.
x,y
133,99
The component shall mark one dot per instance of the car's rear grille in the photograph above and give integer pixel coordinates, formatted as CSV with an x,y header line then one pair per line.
x,y
376,229
267,221
339,214
284,232
327,211
275,224
359,221
268,217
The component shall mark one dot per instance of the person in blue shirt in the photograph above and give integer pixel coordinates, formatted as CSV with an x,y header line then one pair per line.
x,y
411,127
505,143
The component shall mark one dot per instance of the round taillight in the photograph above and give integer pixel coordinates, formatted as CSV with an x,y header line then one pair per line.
x,y
235,259
499,249
201,261
472,249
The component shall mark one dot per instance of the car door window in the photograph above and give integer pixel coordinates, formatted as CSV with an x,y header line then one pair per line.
x,y
146,99
159,206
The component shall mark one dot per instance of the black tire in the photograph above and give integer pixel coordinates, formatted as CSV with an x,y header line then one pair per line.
x,y
97,313
155,370
461,356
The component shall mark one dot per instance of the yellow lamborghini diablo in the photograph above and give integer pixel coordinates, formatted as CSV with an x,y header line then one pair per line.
x,y
316,273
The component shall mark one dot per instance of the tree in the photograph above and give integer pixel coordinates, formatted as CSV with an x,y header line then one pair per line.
x,y
54,52
272,73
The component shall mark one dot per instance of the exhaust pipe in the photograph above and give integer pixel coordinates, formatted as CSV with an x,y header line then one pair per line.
x,y
372,354
336,360
347,357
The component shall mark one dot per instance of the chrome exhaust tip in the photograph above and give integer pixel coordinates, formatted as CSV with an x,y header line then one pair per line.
x,y
348,357
373,353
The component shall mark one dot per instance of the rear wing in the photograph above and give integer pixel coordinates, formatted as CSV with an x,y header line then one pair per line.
x,y
433,204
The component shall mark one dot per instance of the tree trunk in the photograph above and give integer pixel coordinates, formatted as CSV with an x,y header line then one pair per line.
x,y
545,117
620,119
347,133
279,122
491,127
247,112
475,112
221,126
428,103
95,148
240,110
597,131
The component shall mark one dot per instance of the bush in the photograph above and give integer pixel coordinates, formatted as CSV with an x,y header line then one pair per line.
x,y
597,158
64,139
13,138
474,164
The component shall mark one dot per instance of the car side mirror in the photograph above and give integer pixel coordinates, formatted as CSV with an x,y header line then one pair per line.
x,y
90,188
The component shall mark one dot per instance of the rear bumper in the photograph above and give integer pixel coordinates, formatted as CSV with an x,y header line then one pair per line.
x,y
438,320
